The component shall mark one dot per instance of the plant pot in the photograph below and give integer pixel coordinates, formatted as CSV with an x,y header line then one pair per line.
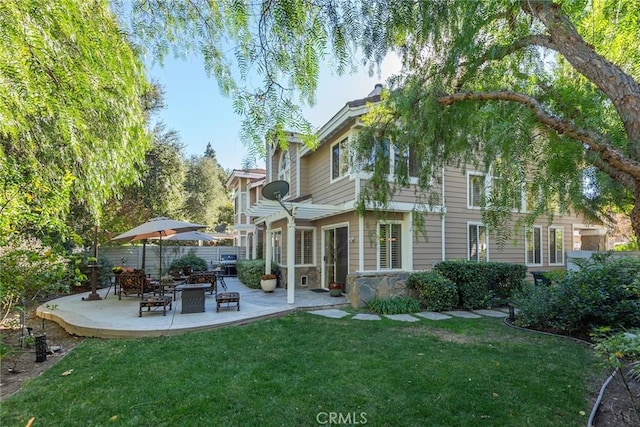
x,y
335,289
268,285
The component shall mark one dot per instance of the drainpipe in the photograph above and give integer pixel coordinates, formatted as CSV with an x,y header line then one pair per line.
x,y
443,212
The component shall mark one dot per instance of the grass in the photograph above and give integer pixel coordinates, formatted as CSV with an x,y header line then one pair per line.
x,y
301,369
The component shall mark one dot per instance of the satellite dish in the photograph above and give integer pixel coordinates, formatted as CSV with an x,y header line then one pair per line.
x,y
275,190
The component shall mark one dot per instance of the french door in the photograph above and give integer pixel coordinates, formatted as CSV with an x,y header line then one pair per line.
x,y
336,255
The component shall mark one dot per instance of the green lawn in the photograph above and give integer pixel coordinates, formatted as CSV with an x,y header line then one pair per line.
x,y
304,370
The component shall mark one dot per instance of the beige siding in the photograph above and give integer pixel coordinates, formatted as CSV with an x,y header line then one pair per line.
x,y
427,251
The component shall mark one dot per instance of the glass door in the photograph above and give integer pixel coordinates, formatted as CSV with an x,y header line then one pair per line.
x,y
336,255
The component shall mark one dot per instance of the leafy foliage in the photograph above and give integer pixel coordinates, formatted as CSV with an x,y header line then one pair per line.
x,y
190,261
249,271
30,270
482,284
604,293
435,291
73,124
394,305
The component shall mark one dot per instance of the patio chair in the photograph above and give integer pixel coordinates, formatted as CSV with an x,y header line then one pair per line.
x,y
204,277
134,283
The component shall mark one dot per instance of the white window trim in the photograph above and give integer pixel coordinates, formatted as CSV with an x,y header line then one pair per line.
x,y
526,246
487,186
402,246
313,246
486,238
285,174
273,248
551,229
345,156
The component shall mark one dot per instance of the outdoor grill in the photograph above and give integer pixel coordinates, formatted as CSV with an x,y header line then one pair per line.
x,y
228,262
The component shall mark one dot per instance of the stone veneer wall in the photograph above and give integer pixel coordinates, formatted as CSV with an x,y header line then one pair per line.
x,y
310,272
364,287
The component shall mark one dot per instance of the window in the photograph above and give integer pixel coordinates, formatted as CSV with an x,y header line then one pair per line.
x,y
534,246
276,246
339,159
476,187
284,172
389,254
556,245
380,149
477,244
407,159
241,202
304,246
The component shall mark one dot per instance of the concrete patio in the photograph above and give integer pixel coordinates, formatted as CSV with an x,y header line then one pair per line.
x,y
114,318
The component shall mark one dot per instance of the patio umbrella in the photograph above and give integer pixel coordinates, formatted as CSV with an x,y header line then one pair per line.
x,y
157,228
192,235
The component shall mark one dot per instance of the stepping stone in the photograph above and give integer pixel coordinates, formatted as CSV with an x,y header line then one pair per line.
x,y
332,313
365,316
402,317
463,314
432,315
491,313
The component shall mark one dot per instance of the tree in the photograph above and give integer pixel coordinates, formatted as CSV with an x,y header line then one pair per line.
x,y
533,89
72,123
160,190
205,192
538,91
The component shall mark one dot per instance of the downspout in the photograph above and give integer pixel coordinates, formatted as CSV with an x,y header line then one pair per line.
x,y
443,212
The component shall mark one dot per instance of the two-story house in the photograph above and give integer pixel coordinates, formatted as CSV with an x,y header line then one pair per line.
x,y
325,239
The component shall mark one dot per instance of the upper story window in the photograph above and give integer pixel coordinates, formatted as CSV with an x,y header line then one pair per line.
x,y
377,157
407,159
476,185
284,171
339,159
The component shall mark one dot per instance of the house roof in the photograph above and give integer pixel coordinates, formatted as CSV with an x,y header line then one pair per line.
x,y
252,174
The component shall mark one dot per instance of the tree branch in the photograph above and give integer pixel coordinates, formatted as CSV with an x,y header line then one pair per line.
x,y
596,143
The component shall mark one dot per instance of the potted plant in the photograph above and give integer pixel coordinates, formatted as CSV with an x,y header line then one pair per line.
x,y
117,269
335,289
268,282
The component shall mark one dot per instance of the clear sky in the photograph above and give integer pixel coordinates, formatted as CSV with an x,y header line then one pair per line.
x,y
200,114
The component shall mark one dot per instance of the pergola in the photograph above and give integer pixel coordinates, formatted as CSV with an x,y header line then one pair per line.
x,y
270,211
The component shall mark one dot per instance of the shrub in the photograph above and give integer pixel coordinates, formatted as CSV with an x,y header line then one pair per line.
x,y
537,306
480,284
250,271
604,293
195,263
435,291
31,271
395,305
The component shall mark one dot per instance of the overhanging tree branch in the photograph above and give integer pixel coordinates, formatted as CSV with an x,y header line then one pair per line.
x,y
596,142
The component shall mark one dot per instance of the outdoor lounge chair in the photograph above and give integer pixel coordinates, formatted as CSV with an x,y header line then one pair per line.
x,y
204,277
134,283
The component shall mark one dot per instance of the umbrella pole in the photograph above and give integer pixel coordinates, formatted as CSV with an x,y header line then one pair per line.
x,y
144,252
